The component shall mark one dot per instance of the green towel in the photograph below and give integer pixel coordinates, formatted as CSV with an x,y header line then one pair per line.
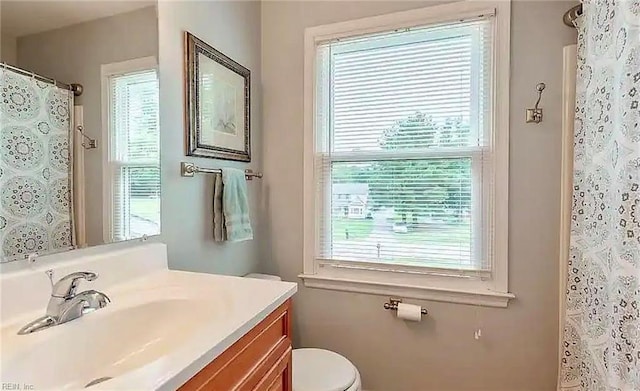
x,y
219,230
235,205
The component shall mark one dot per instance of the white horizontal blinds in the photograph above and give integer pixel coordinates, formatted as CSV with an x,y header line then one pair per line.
x,y
135,155
403,142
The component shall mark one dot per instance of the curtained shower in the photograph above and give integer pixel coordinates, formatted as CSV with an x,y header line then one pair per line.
x,y
36,208
600,345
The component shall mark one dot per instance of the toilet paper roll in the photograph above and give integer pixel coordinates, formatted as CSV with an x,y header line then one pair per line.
x,y
410,312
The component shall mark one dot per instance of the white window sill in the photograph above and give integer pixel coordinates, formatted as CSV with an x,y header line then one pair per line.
x,y
476,297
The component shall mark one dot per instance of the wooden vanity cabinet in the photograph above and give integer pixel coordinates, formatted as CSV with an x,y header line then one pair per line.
x,y
260,360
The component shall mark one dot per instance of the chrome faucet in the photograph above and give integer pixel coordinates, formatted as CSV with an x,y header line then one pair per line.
x,y
65,305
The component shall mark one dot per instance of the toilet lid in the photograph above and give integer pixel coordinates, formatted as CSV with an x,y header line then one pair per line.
x,y
321,370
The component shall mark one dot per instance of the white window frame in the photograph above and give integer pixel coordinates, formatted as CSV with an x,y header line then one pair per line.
x,y
486,289
106,72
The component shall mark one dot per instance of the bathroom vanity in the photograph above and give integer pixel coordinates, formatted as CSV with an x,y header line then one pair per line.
x,y
162,329
260,360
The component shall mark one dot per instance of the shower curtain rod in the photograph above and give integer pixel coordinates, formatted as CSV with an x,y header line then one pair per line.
x,y
75,88
570,16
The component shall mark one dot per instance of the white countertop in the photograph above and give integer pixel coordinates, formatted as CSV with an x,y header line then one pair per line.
x,y
188,318
243,303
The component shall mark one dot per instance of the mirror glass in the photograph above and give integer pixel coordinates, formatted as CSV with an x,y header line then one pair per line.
x,y
79,129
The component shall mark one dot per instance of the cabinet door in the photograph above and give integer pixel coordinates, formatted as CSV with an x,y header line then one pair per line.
x,y
277,385
279,377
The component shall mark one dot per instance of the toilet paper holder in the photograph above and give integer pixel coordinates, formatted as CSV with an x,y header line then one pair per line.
x,y
392,304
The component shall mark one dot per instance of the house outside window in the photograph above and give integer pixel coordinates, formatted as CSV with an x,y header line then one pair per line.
x,y
350,200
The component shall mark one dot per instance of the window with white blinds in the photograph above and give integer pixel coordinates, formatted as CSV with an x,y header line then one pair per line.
x,y
134,155
403,133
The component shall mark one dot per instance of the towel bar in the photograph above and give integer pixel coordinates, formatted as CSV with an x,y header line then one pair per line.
x,y
189,169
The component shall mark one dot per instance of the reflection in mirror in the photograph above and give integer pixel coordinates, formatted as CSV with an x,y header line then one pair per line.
x,y
79,131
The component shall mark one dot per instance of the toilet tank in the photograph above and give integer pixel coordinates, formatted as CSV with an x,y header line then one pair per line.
x,y
261,276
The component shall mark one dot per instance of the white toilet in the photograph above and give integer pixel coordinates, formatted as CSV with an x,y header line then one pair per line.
x,y
320,369
323,370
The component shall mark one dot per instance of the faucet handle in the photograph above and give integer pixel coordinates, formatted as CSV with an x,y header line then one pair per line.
x,y
49,274
67,286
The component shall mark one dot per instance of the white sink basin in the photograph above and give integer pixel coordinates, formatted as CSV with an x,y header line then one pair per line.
x,y
105,343
160,329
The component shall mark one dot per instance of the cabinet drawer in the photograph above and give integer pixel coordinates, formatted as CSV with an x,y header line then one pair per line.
x,y
246,362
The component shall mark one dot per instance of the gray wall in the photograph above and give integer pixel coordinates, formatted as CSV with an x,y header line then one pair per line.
x,y
8,49
232,27
74,54
518,350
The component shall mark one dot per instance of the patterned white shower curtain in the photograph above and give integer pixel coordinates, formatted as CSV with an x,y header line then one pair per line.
x,y
601,341
35,166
